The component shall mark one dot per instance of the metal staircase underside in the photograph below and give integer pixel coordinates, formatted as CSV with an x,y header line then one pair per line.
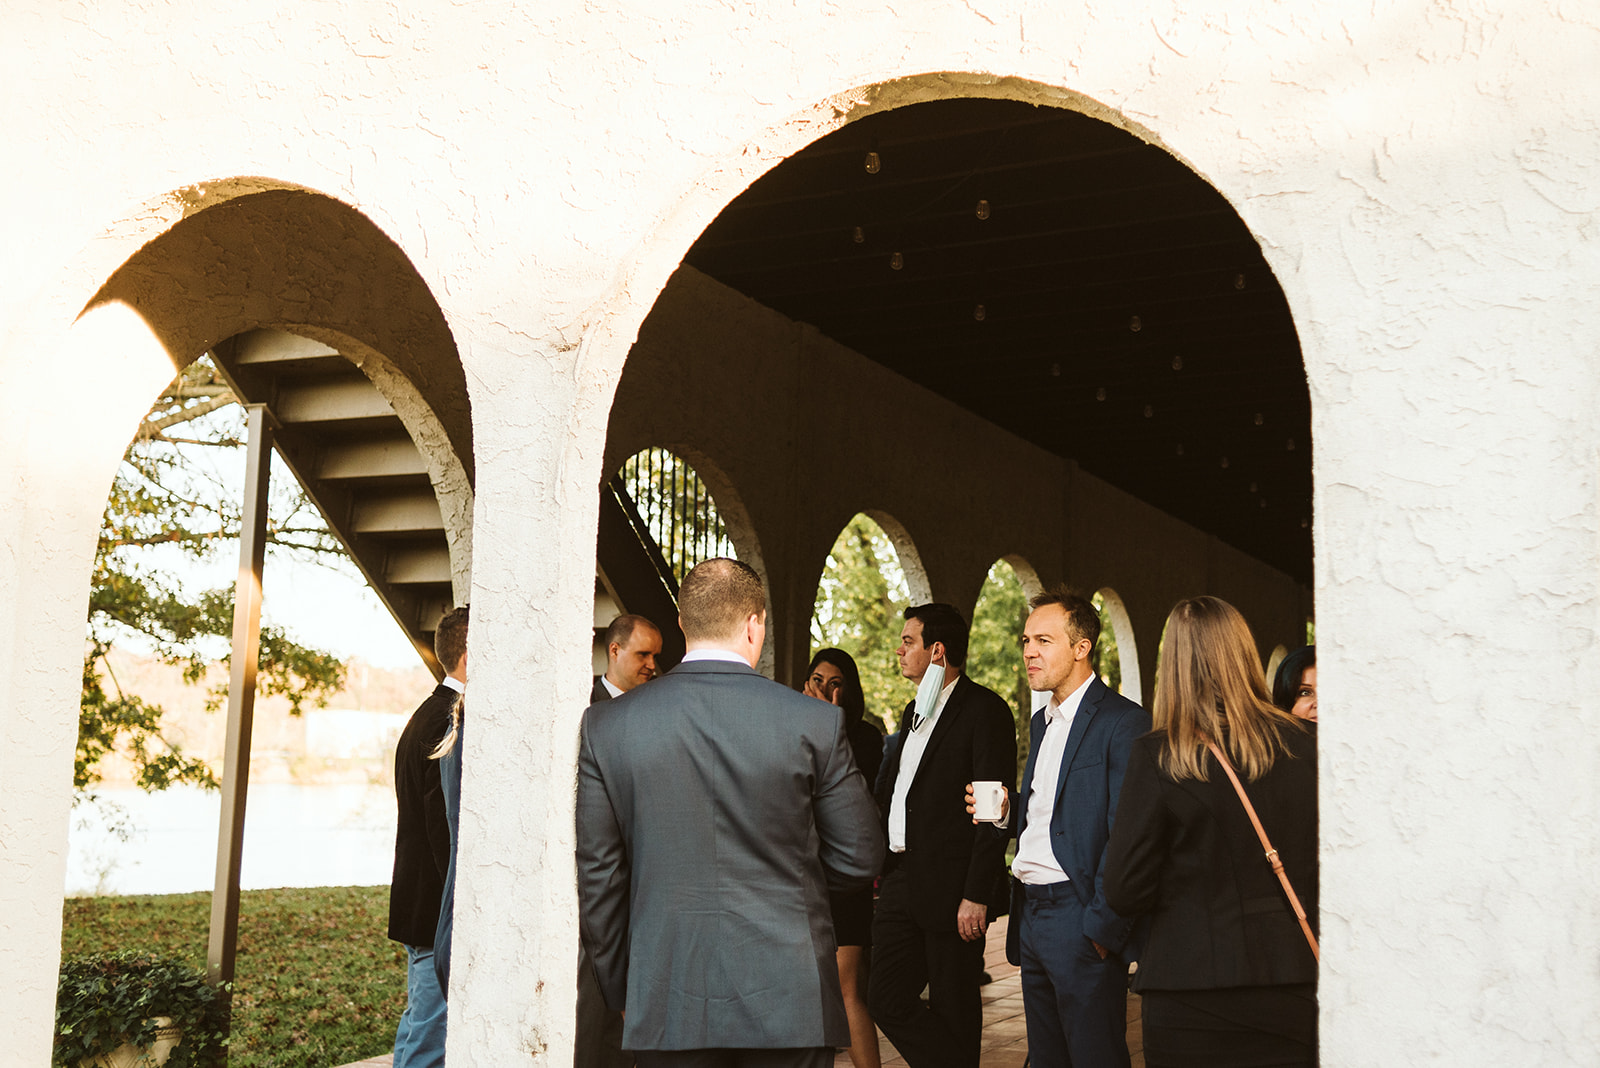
x,y
358,464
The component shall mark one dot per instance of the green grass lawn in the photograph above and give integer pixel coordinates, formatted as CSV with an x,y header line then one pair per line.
x,y
316,984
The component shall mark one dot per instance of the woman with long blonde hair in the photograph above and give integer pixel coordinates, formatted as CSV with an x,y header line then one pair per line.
x,y
1227,974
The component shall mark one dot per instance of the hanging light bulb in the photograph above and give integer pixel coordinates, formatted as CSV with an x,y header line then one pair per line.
x,y
980,313
1100,394
983,209
1055,370
1238,281
1177,363
874,163
859,236
1224,461
1180,448
1259,419
1148,411
1288,446
1263,502
1304,523
1135,325
1252,487
896,262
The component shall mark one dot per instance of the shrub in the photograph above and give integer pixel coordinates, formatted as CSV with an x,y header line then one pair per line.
x,y
104,1000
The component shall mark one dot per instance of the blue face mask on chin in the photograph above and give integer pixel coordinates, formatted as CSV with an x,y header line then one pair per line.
x,y
928,695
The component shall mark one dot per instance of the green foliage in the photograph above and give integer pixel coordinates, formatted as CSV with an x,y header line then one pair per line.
x,y
994,653
316,981
860,601
1107,661
166,495
104,1000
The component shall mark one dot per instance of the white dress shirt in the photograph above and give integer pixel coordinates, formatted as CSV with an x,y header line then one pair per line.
x,y
911,756
714,654
1035,862
454,683
611,688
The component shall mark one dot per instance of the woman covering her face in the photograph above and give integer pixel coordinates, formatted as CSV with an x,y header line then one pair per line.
x,y
833,678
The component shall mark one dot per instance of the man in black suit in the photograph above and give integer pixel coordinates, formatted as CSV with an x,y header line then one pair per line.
x,y
1069,943
715,811
632,645
944,878
422,852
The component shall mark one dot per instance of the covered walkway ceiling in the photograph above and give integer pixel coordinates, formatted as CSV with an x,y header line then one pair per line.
x,y
1060,278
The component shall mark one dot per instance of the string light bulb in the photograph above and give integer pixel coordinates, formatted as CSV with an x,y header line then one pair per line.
x,y
1135,324
1260,419
1149,411
1177,363
1055,370
874,163
896,262
982,210
859,236
1100,394
980,313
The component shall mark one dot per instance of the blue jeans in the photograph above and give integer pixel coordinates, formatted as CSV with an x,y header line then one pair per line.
x,y
419,1040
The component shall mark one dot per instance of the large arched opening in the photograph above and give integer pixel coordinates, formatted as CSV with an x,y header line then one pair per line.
x,y
1022,331
320,324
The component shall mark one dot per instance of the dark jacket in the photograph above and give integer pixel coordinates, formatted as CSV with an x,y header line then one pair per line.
x,y
946,858
1186,854
1093,763
421,837
598,691
716,809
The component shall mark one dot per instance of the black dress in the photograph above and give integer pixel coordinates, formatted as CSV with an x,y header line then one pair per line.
x,y
852,912
1225,972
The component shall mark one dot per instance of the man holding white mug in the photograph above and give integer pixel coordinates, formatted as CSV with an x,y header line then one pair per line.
x,y
1063,935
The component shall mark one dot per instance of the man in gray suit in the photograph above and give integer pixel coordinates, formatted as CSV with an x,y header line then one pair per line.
x,y
715,811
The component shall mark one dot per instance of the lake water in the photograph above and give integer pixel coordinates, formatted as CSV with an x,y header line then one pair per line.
x,y
295,835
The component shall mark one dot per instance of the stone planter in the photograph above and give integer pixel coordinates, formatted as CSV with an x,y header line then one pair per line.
x,y
128,1055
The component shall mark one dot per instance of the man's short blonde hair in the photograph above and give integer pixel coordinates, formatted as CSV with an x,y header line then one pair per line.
x,y
716,597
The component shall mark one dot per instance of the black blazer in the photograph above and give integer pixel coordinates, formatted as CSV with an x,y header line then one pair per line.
x,y
1186,854
946,856
598,691
421,836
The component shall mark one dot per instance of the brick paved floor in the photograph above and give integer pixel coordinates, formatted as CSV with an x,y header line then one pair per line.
x,y
1005,1041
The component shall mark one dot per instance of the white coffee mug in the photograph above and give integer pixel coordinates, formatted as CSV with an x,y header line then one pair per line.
x,y
987,797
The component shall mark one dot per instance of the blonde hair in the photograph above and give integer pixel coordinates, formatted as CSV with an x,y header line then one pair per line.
x,y
448,742
1211,688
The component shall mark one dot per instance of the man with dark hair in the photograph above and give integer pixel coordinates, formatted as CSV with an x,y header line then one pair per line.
x,y
422,851
944,879
632,645
715,811
1067,940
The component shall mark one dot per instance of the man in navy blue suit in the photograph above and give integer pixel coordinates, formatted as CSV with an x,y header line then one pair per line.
x,y
1067,940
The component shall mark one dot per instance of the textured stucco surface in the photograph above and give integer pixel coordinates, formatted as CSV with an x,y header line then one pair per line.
x,y
1424,178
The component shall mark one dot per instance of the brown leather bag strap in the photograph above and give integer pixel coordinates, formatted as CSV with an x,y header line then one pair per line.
x,y
1272,854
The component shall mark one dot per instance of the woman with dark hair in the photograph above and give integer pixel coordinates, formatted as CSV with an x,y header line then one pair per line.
x,y
833,678
1228,973
1295,688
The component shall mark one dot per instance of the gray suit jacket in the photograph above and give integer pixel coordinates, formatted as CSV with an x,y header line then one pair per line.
x,y
715,811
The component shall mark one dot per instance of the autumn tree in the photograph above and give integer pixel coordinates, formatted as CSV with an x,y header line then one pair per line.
x,y
169,493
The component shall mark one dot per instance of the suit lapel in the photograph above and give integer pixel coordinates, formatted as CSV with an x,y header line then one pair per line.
x,y
943,725
1080,726
1025,790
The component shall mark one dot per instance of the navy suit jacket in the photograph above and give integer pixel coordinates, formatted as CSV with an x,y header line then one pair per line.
x,y
1090,781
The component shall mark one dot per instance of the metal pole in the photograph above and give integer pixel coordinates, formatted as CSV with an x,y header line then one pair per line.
x,y
241,697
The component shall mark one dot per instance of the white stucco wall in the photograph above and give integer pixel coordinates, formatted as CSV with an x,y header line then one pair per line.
x,y
1424,179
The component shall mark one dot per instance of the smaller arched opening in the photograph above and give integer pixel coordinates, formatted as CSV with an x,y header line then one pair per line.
x,y
872,574
994,655
1117,652
661,513
1278,653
